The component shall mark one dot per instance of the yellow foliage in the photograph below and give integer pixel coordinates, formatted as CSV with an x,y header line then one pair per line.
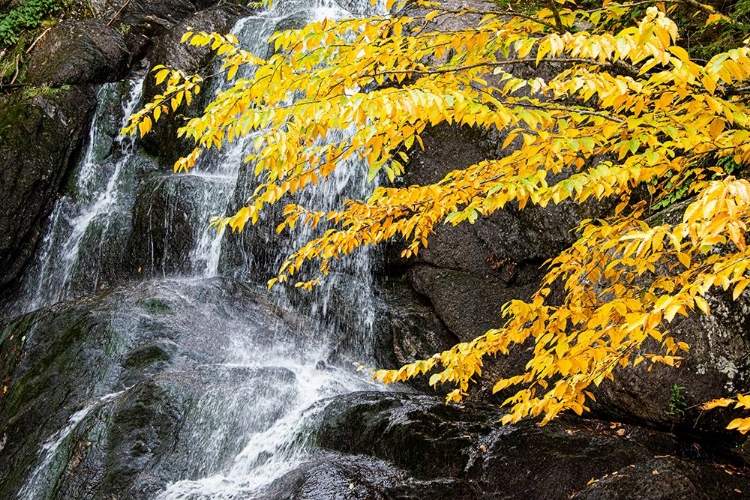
x,y
628,108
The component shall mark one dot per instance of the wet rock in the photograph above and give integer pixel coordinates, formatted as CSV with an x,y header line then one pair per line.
x,y
75,52
466,303
123,387
567,458
410,324
169,51
403,430
492,245
41,133
141,21
667,478
163,226
468,306
162,141
332,475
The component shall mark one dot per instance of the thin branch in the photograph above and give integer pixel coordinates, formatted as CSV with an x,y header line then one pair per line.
x,y
37,40
118,12
507,62
556,13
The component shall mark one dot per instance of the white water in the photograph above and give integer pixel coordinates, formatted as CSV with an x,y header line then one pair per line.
x,y
277,427
43,474
93,208
269,454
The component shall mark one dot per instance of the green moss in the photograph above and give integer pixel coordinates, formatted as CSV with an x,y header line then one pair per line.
x,y
156,306
43,91
27,16
11,63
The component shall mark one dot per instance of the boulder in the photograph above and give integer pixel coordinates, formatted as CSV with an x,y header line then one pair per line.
x,y
349,477
41,133
141,21
76,52
568,458
467,304
409,324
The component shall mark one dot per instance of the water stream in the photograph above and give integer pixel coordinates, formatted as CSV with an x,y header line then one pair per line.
x,y
278,405
69,262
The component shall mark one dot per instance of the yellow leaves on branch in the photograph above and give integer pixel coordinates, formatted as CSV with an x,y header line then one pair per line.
x,y
742,401
624,106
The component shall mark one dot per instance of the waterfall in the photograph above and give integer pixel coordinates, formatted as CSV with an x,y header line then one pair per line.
x,y
70,260
276,412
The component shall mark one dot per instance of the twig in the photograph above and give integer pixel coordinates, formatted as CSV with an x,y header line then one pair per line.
x,y
7,87
556,13
37,40
118,12
15,75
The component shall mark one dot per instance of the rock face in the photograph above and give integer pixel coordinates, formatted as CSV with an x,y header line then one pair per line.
x,y
143,20
103,49
78,52
41,133
407,446
467,272
162,141
162,234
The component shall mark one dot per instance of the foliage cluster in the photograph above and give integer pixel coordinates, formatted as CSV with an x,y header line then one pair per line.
x,y
625,108
27,16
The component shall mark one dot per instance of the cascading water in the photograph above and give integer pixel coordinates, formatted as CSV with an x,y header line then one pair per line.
x,y
233,441
69,262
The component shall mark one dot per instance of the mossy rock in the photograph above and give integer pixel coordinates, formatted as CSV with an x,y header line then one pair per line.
x,y
42,131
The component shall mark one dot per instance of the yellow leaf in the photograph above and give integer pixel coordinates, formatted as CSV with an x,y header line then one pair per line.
x,y
739,287
161,75
709,83
741,424
702,304
743,402
714,18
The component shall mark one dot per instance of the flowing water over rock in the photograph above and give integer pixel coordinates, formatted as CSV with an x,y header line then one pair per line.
x,y
86,225
138,370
